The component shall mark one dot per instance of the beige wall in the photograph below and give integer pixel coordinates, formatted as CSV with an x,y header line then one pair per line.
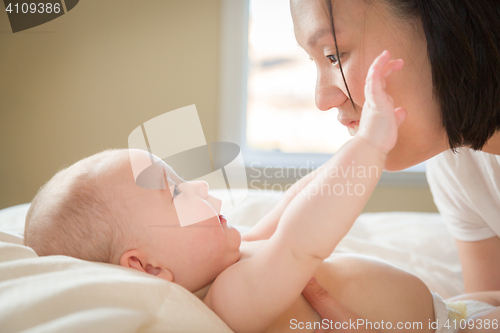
x,y
81,83
401,198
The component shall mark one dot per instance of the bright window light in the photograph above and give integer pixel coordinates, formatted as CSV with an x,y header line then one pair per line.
x,y
281,113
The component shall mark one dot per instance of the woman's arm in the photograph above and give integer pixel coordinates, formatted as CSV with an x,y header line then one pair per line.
x,y
480,264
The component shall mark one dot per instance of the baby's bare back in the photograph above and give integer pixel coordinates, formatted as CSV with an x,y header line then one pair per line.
x,y
376,291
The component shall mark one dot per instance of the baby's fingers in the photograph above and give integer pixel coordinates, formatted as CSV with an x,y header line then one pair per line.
x,y
393,66
374,90
381,67
382,59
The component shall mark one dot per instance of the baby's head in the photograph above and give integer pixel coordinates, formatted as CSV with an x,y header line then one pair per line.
x,y
94,210
76,213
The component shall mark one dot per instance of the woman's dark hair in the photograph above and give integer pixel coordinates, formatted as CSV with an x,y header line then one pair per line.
x,y
463,45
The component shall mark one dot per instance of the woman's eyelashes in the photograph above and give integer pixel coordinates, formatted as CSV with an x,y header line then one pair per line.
x,y
333,58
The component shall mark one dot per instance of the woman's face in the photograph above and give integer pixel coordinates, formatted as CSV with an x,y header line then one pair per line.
x,y
363,31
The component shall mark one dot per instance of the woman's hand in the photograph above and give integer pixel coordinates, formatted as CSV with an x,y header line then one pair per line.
x,y
329,308
324,303
379,121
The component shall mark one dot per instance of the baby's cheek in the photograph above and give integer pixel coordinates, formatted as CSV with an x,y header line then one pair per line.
x,y
190,212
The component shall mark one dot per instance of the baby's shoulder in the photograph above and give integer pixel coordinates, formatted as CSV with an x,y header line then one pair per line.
x,y
247,250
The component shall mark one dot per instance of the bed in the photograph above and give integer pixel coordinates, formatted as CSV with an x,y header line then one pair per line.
x,y
63,294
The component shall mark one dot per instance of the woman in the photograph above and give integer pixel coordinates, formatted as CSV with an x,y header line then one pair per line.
x,y
450,87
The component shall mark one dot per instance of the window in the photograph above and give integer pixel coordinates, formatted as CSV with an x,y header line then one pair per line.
x,y
267,90
281,115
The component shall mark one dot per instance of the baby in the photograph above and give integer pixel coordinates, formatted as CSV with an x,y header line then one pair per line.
x,y
95,210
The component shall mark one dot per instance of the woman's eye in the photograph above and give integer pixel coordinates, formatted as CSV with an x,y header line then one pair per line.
x,y
176,191
333,58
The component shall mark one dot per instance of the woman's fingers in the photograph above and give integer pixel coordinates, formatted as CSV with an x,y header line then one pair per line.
x,y
321,301
319,298
328,307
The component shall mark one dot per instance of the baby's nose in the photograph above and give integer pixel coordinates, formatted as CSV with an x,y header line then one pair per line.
x,y
201,188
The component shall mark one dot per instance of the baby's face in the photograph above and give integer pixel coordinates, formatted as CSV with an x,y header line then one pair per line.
x,y
181,222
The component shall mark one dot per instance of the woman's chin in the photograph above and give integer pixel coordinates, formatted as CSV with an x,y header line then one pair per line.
x,y
397,161
392,166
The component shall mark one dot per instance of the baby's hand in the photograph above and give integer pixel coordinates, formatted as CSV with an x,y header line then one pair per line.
x,y
379,121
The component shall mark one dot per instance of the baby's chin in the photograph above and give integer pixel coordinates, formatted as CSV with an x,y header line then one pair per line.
x,y
235,243
236,232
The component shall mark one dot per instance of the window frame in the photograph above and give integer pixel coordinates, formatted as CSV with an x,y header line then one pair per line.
x,y
234,18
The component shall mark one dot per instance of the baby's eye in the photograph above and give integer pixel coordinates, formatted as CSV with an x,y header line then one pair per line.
x,y
333,58
176,191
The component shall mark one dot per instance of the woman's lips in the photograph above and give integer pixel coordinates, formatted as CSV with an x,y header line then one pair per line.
x,y
351,124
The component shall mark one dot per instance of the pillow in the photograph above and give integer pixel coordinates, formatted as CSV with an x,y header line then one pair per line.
x,y
64,294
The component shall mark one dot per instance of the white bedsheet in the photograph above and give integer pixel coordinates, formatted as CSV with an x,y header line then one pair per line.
x,y
62,294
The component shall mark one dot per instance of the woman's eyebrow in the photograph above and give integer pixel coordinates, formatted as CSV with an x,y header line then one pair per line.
x,y
311,42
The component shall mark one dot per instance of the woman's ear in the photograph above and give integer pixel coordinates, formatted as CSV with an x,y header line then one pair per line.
x,y
136,260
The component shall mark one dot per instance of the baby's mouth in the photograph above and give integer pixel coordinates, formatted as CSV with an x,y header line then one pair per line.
x,y
222,220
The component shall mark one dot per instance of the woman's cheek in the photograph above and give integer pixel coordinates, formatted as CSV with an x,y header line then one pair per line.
x,y
355,72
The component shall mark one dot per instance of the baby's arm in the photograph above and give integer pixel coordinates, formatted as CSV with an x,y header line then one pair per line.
x,y
266,227
251,294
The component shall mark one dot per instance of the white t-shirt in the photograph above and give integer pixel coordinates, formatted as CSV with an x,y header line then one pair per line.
x,y
466,190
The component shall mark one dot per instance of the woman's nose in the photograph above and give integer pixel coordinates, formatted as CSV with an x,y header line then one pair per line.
x,y
328,94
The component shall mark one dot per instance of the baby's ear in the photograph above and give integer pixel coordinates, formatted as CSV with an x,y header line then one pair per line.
x,y
136,260
160,272
132,259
